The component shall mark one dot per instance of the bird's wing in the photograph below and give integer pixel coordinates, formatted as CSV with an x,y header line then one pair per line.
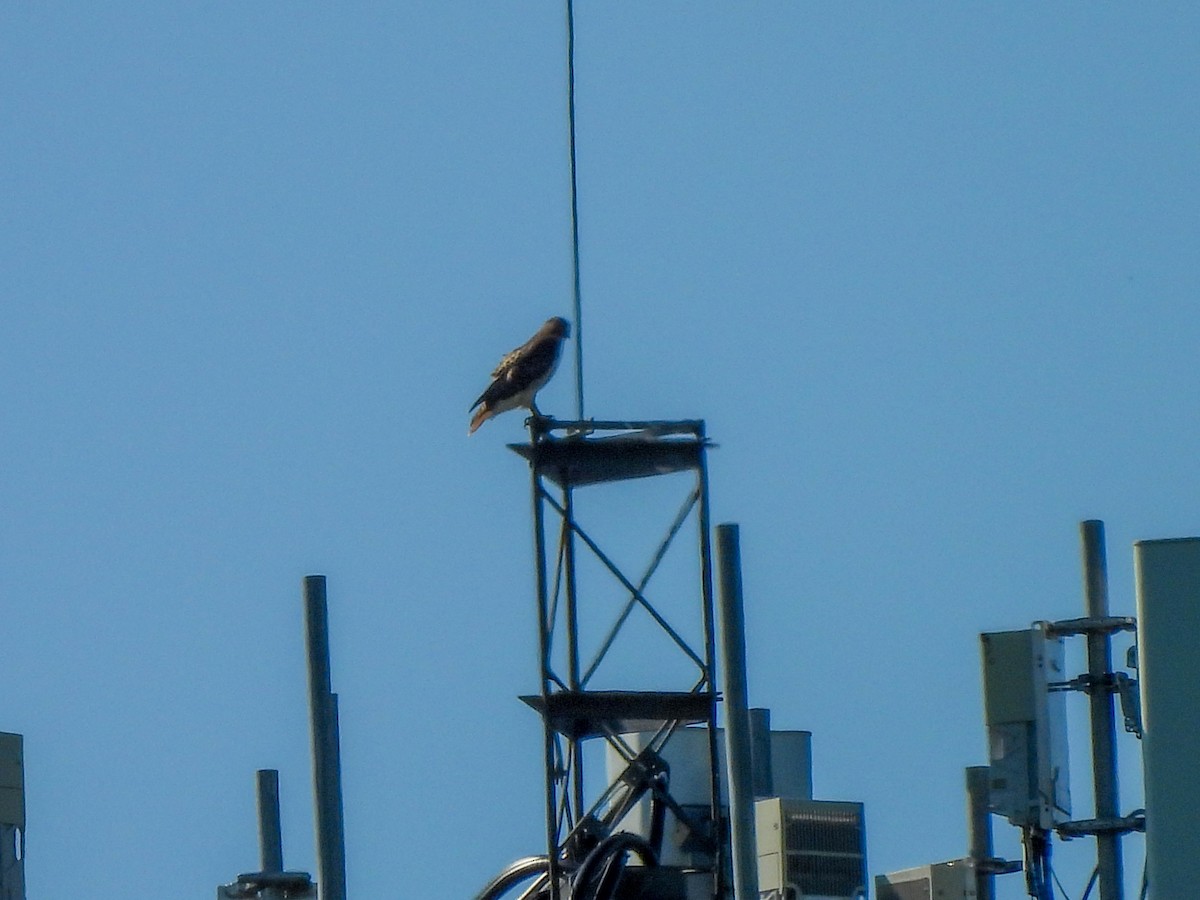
x,y
533,361
503,365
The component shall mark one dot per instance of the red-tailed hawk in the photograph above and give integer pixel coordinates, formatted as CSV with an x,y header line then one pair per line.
x,y
521,374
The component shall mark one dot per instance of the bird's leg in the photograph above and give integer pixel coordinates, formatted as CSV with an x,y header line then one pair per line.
x,y
535,417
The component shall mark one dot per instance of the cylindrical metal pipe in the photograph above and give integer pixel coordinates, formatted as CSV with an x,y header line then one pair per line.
x,y
327,774
1104,727
738,753
270,837
979,830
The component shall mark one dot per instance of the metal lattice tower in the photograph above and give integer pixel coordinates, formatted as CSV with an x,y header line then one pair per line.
x,y
565,457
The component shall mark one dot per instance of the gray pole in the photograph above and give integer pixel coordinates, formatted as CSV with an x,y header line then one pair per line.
x,y
270,838
327,773
738,753
979,830
1104,729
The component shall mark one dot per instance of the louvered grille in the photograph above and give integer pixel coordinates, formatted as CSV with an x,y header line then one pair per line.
x,y
824,831
825,856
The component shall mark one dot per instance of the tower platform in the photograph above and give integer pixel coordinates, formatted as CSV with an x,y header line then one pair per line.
x,y
585,714
579,453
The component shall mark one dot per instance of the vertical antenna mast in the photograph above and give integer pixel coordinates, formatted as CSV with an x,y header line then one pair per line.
x,y
574,210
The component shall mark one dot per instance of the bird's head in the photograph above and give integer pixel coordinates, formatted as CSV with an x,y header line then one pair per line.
x,y
558,326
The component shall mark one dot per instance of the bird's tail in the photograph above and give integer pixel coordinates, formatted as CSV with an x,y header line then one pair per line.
x,y
481,415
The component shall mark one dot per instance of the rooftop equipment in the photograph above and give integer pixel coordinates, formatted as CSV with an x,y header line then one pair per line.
x,y
953,880
1024,684
810,850
1027,726
785,768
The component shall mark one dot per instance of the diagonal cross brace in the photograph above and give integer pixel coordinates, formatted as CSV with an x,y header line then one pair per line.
x,y
684,511
625,582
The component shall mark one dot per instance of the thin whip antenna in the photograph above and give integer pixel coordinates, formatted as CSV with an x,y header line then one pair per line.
x,y
574,210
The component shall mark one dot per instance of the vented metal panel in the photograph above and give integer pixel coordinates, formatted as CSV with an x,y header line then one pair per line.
x,y
815,848
825,831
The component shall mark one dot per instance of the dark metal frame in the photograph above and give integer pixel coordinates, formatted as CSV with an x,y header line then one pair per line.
x,y
568,455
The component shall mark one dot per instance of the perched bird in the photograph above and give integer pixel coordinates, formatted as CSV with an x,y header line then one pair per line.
x,y
521,374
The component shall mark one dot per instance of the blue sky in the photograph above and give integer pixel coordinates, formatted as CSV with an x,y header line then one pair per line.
x,y
929,272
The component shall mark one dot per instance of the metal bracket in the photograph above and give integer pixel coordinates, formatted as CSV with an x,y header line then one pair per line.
x,y
1089,683
290,885
1135,821
1119,683
1102,625
1131,703
995,865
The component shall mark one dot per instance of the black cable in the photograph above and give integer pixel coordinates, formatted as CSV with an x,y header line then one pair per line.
x,y
1032,886
596,878
1087,891
1037,864
1054,875
519,871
